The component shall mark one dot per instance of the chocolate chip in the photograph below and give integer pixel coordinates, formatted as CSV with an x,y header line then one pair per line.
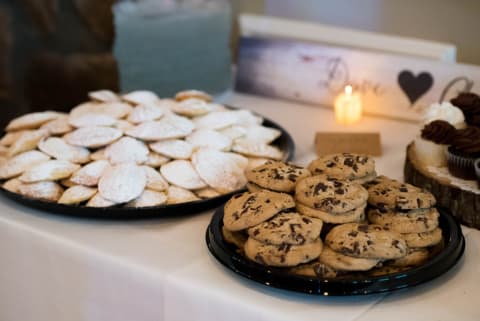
x,y
292,226
363,228
356,249
292,177
259,259
340,191
300,239
346,250
284,247
319,187
353,233
395,243
403,189
306,220
348,162
330,164
337,184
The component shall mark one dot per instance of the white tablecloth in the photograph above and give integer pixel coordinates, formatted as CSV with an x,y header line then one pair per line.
x,y
59,268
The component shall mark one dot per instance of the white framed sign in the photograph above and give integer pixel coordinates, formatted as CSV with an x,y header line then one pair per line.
x,y
390,85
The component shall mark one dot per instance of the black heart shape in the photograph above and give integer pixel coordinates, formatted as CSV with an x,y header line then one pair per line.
x,y
414,87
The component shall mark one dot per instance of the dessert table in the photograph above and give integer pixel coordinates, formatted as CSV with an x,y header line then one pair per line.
x,y
60,268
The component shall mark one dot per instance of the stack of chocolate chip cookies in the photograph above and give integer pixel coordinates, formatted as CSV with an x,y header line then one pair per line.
x,y
361,247
277,236
408,210
331,200
317,225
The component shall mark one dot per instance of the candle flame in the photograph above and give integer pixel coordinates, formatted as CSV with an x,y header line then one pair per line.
x,y
348,90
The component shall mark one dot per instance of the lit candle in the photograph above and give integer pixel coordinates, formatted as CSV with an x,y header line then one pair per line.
x,y
348,107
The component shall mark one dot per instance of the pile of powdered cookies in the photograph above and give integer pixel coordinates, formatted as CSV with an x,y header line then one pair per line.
x,y
334,218
134,149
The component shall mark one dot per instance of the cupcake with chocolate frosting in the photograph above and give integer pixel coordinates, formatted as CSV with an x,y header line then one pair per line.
x,y
469,103
431,145
463,151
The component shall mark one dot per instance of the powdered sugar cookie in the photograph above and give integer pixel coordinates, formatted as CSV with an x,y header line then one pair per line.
x,y
178,195
122,183
21,162
59,149
148,198
51,170
219,170
90,174
143,113
45,191
32,120
93,137
77,194
127,149
173,148
140,97
155,180
182,173
27,141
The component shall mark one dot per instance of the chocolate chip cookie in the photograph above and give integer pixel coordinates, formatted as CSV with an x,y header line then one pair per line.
x,y
284,255
345,166
414,221
316,269
341,262
236,238
414,257
355,215
249,209
424,239
385,193
367,241
290,228
277,176
329,194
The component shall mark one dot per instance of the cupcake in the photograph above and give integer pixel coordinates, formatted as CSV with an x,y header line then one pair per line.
x,y
431,145
447,112
464,150
469,103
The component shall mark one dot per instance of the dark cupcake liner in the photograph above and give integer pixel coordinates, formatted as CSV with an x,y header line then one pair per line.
x,y
476,164
461,166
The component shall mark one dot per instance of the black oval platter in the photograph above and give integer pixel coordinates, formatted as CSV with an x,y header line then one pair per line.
x,y
227,255
284,143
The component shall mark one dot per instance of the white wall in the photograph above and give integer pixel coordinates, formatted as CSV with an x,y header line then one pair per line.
x,y
452,21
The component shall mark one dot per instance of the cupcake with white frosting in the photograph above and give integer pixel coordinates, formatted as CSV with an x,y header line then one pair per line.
x,y
447,112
